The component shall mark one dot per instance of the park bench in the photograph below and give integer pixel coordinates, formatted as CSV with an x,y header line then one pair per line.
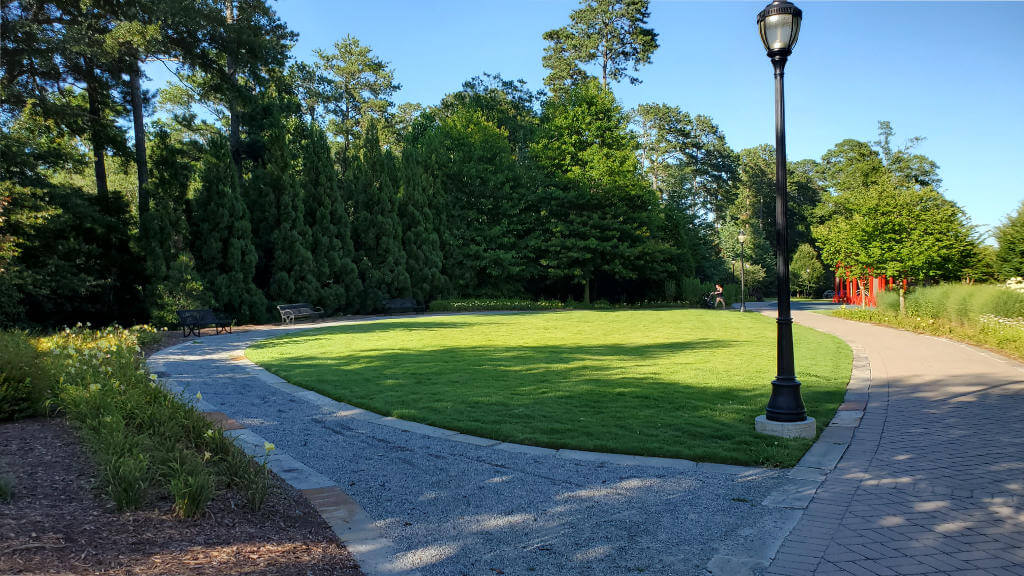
x,y
289,312
403,305
193,321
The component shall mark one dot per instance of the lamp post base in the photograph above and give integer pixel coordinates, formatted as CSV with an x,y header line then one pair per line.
x,y
800,429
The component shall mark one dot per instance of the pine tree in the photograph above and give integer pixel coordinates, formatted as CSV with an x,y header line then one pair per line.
x,y
376,229
328,221
222,242
419,233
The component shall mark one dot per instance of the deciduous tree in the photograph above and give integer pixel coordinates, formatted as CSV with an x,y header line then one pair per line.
x,y
1010,237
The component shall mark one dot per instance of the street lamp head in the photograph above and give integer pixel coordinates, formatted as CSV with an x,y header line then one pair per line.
x,y
742,237
779,24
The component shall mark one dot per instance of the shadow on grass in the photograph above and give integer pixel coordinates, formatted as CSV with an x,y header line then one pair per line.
x,y
370,327
608,398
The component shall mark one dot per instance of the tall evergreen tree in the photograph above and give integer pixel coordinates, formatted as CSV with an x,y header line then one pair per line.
x,y
328,220
355,87
609,33
284,267
291,269
372,188
222,243
419,234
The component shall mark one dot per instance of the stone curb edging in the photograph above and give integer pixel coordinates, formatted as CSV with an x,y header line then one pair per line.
x,y
350,523
762,544
348,411
237,357
375,554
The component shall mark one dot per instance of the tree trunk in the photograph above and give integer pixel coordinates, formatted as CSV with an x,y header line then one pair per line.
x,y
863,296
586,291
139,123
234,130
903,301
99,151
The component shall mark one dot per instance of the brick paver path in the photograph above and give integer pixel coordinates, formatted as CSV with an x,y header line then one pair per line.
x,y
933,482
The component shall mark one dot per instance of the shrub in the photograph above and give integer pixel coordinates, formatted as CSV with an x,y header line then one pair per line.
x,y
127,479
146,335
191,485
25,377
692,291
255,484
181,290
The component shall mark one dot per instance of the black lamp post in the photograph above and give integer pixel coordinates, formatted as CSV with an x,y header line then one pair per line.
x,y
743,299
779,24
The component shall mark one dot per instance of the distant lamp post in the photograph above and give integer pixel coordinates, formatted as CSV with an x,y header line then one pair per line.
x,y
743,299
779,25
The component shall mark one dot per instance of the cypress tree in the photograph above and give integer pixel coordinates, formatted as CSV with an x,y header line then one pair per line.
x,y
222,245
287,267
376,229
419,231
330,238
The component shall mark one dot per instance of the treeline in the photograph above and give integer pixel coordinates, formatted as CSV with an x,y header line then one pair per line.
x,y
254,179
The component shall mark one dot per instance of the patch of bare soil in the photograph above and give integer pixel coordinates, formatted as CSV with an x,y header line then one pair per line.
x,y
57,523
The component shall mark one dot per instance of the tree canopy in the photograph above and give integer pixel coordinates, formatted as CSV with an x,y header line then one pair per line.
x,y
254,178
612,34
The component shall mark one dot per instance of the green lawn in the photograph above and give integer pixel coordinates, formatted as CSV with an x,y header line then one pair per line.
x,y
677,383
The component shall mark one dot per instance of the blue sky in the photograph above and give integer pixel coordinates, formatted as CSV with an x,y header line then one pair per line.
x,y
952,72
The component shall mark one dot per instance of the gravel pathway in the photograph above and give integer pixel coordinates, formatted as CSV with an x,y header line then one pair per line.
x,y
454,508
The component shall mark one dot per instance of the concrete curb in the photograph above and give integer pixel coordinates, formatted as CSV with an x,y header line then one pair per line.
x,y
375,553
341,409
351,524
760,544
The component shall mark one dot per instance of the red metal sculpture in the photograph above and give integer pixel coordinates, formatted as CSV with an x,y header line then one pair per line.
x,y
861,291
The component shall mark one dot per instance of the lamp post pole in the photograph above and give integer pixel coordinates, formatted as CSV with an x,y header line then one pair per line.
x,y
743,298
779,25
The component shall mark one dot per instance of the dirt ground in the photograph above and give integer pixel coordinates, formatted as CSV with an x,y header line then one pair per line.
x,y
57,523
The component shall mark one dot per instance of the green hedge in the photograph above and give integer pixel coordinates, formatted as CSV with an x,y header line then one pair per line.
x,y
691,293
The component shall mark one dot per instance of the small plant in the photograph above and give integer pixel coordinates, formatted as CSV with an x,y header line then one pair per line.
x,y
146,335
255,482
191,484
25,377
6,489
127,479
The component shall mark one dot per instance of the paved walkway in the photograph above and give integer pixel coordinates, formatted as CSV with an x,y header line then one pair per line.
x,y
933,481
446,506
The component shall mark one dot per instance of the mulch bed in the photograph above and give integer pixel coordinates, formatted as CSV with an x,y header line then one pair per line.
x,y
57,522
